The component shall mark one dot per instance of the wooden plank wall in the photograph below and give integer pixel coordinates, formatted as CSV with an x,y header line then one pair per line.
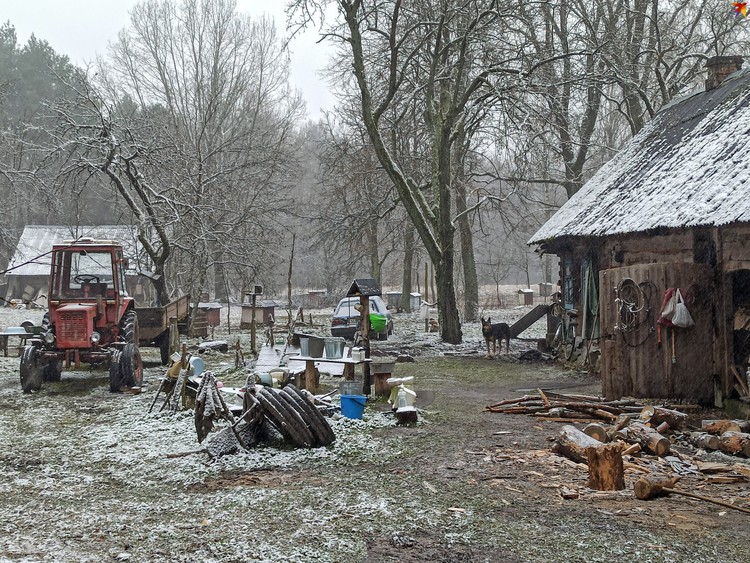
x,y
632,363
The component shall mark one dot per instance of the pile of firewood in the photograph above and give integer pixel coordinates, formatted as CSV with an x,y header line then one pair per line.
x,y
624,434
567,408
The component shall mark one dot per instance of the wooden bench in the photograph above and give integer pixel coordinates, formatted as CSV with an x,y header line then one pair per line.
x,y
16,331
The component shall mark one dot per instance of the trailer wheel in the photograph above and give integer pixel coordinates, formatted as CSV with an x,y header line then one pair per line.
x,y
129,326
52,370
164,348
131,366
31,369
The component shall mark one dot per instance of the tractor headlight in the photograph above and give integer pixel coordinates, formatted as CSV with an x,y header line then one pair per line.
x,y
49,338
95,337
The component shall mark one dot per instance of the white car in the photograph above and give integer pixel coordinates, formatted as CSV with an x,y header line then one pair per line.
x,y
345,321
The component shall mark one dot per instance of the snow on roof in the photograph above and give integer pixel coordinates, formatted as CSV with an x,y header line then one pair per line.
x,y
32,251
688,167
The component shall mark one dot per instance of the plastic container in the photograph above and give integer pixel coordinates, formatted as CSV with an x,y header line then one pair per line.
x,y
350,387
334,348
358,354
377,322
353,406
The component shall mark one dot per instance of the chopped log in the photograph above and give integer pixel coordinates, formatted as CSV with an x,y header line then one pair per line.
x,y
735,443
663,428
606,472
720,426
648,438
656,415
572,443
622,421
704,440
632,449
646,488
558,419
649,487
598,432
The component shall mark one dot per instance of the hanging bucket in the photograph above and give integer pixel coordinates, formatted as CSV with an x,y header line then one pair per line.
x,y
377,322
353,406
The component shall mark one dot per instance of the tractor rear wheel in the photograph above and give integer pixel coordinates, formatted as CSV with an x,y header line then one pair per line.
x,y
129,326
31,369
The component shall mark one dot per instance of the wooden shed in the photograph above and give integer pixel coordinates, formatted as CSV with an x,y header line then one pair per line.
x,y
671,210
28,270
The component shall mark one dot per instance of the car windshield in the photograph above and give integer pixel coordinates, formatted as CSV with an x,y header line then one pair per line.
x,y
346,308
82,274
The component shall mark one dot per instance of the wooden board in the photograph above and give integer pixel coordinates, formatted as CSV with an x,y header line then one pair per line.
x,y
632,362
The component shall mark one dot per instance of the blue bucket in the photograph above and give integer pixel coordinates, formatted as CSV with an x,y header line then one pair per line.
x,y
353,406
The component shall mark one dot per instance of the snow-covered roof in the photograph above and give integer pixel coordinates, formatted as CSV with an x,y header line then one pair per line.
x,y
688,167
32,251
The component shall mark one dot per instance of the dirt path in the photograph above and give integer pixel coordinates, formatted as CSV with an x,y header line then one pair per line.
x,y
87,478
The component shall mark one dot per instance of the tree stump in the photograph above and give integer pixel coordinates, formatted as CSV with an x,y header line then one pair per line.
x,y
606,471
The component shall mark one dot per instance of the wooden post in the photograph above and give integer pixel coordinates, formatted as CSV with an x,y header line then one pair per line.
x,y
252,326
606,472
364,328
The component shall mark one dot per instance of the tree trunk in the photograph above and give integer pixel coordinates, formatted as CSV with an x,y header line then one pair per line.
x,y
704,440
450,327
373,250
720,426
466,241
735,443
408,265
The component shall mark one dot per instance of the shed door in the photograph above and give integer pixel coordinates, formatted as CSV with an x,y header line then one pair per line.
x,y
634,363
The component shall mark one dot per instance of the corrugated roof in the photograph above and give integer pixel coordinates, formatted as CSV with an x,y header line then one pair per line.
x,y
688,167
32,251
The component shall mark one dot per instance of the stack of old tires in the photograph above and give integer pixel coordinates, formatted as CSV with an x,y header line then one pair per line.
x,y
294,414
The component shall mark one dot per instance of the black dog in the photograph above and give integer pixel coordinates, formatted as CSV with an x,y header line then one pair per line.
x,y
495,333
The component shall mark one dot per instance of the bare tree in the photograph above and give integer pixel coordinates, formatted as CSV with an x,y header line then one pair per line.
x,y
428,53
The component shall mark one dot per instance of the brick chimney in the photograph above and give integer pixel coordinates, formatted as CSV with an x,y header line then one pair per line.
x,y
719,68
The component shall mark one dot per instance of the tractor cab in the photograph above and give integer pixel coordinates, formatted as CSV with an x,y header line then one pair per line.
x,y
87,279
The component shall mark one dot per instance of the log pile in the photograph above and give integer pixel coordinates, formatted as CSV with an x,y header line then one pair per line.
x,y
567,408
647,441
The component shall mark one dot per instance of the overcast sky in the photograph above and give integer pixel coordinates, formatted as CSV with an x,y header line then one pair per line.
x,y
82,28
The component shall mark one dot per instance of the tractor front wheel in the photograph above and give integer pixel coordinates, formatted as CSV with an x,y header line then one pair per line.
x,y
131,365
31,370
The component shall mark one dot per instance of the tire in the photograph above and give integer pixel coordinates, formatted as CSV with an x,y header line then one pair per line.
x,y
115,377
286,424
383,335
31,370
300,418
131,366
303,434
316,418
52,370
129,326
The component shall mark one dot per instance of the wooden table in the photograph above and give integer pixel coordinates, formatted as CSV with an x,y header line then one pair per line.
x,y
311,381
18,332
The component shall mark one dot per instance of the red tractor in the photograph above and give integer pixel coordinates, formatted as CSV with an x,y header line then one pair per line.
x,y
91,318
